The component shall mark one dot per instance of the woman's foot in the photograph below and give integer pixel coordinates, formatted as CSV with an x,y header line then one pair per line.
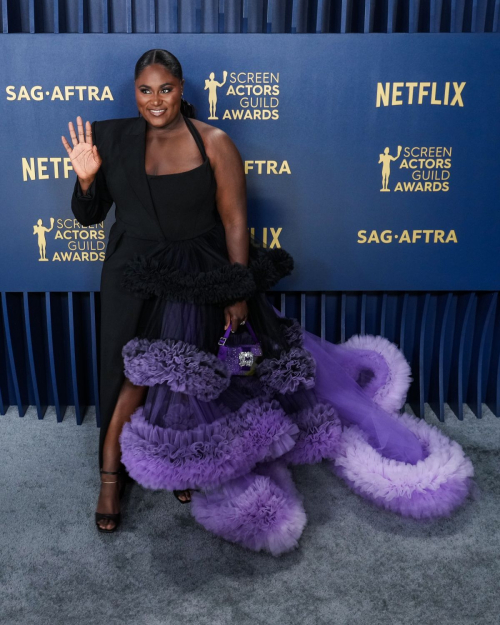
x,y
109,498
183,495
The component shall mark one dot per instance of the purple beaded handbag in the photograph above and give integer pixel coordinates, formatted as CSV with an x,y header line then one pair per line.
x,y
241,359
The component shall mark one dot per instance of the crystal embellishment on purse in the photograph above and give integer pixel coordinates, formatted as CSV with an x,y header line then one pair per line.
x,y
246,359
241,359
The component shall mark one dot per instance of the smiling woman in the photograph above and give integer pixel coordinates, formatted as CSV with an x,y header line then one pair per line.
x,y
216,416
158,102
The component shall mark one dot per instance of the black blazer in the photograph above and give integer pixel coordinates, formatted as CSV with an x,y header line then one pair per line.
x,y
122,180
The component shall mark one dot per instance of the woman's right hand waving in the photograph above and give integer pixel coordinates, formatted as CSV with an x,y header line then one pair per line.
x,y
84,156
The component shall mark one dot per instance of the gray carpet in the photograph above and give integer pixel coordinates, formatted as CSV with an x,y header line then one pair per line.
x,y
356,564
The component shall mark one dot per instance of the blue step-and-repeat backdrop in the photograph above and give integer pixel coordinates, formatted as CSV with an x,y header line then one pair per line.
x,y
373,160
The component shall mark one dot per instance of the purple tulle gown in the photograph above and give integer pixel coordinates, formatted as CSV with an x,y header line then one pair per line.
x,y
233,438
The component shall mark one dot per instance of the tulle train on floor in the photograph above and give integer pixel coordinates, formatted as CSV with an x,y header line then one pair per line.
x,y
235,438
236,441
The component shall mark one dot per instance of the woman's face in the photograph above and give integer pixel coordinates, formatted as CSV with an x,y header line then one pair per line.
x,y
158,95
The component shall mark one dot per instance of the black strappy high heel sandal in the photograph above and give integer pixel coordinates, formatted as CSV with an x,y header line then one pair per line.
x,y
112,516
180,492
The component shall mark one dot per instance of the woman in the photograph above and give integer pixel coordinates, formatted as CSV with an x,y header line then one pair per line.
x,y
218,420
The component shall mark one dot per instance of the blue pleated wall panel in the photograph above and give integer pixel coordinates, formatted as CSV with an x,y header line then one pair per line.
x,y
49,342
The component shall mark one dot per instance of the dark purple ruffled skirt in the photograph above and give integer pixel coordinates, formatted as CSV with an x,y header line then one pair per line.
x,y
233,438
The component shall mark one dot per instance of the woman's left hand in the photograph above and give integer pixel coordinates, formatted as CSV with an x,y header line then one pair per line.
x,y
235,315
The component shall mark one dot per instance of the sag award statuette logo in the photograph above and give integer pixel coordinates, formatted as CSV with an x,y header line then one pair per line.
x,y
245,96
71,241
420,169
386,159
40,230
211,84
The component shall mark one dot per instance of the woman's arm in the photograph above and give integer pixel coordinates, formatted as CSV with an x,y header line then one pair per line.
x,y
91,204
231,197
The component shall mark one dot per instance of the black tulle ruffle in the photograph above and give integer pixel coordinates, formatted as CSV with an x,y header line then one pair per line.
x,y
222,285
269,266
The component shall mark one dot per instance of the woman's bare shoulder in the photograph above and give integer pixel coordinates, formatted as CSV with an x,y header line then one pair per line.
x,y
221,150
214,138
